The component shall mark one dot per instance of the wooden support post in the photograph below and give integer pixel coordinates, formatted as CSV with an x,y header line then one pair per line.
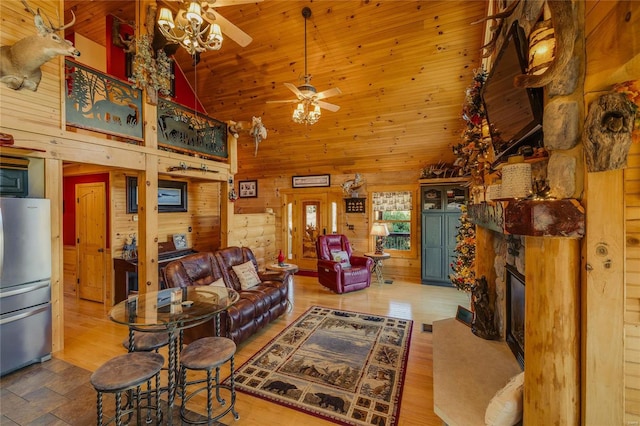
x,y
53,191
148,226
603,301
552,329
226,206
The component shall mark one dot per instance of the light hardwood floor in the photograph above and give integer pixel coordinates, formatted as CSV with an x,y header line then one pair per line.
x,y
91,339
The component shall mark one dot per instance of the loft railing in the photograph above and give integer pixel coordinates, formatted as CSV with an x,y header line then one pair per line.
x,y
98,102
185,130
104,104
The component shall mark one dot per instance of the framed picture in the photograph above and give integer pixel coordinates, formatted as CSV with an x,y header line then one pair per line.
x,y
180,241
172,195
248,188
464,315
310,181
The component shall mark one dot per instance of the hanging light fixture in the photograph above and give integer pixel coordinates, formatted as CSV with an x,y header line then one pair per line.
x,y
187,30
306,112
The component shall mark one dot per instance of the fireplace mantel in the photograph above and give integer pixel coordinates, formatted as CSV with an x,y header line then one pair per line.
x,y
535,218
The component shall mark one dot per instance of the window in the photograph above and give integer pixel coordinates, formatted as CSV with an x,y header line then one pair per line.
x,y
395,208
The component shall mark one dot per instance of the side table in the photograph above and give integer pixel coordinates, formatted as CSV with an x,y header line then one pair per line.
x,y
377,264
289,267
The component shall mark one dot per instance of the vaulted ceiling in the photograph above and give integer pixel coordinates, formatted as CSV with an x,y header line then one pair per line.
x,y
402,66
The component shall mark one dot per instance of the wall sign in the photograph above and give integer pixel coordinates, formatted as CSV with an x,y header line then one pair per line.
x,y
310,181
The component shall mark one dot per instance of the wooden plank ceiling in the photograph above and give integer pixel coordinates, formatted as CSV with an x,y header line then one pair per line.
x,y
403,68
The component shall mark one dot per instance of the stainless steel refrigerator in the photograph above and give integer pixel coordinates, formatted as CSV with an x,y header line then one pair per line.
x,y
25,282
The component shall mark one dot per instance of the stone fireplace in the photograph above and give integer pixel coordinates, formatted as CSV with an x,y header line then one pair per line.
x,y
540,239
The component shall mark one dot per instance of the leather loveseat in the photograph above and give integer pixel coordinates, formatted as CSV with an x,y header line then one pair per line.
x,y
257,306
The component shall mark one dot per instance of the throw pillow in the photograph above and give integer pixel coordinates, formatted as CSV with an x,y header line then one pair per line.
x,y
505,408
247,275
218,283
341,257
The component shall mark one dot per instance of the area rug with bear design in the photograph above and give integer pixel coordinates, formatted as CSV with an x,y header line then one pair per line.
x,y
343,366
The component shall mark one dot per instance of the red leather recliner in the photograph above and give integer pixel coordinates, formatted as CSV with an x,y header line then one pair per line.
x,y
335,275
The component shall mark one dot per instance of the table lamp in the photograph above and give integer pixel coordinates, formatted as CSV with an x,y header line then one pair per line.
x,y
380,231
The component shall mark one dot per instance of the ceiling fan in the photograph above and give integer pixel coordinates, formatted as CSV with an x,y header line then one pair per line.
x,y
210,15
307,97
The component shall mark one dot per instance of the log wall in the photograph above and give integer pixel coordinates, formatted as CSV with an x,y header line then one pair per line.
x,y
41,108
270,195
258,232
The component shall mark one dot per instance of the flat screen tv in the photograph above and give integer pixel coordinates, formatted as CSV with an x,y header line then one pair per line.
x,y
514,113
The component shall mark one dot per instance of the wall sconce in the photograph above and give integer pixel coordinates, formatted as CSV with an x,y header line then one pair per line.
x,y
542,47
380,231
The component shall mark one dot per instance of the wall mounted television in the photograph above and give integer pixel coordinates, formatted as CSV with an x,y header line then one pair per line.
x,y
514,113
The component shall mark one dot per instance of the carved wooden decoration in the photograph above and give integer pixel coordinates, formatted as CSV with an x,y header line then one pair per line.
x,y
483,323
565,33
607,133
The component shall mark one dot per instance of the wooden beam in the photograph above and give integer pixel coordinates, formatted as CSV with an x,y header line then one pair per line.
x,y
53,191
603,301
148,227
536,218
552,328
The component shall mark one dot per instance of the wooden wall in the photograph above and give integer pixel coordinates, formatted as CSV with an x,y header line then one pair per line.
x,y
613,56
632,287
258,232
270,196
201,223
41,108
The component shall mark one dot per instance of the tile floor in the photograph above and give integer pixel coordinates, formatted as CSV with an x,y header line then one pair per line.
x,y
53,393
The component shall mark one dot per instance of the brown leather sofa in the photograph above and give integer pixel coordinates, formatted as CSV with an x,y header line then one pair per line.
x,y
257,306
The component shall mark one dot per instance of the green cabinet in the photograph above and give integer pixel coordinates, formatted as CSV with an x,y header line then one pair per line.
x,y
440,219
14,182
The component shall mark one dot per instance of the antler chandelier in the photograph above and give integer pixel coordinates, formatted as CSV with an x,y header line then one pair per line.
x,y
188,31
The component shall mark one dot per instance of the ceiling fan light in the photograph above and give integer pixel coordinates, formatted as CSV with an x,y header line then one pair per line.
x,y
298,114
166,18
216,31
214,40
314,116
194,13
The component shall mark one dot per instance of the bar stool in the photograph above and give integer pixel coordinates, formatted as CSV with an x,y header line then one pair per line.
x,y
125,373
143,341
206,354
146,341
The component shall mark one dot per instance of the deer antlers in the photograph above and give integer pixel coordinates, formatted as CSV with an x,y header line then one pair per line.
x,y
490,47
41,26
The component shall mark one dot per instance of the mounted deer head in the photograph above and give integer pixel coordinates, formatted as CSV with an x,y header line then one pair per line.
x,y
20,63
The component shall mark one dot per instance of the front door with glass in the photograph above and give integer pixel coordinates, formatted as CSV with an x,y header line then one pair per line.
x,y
308,215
